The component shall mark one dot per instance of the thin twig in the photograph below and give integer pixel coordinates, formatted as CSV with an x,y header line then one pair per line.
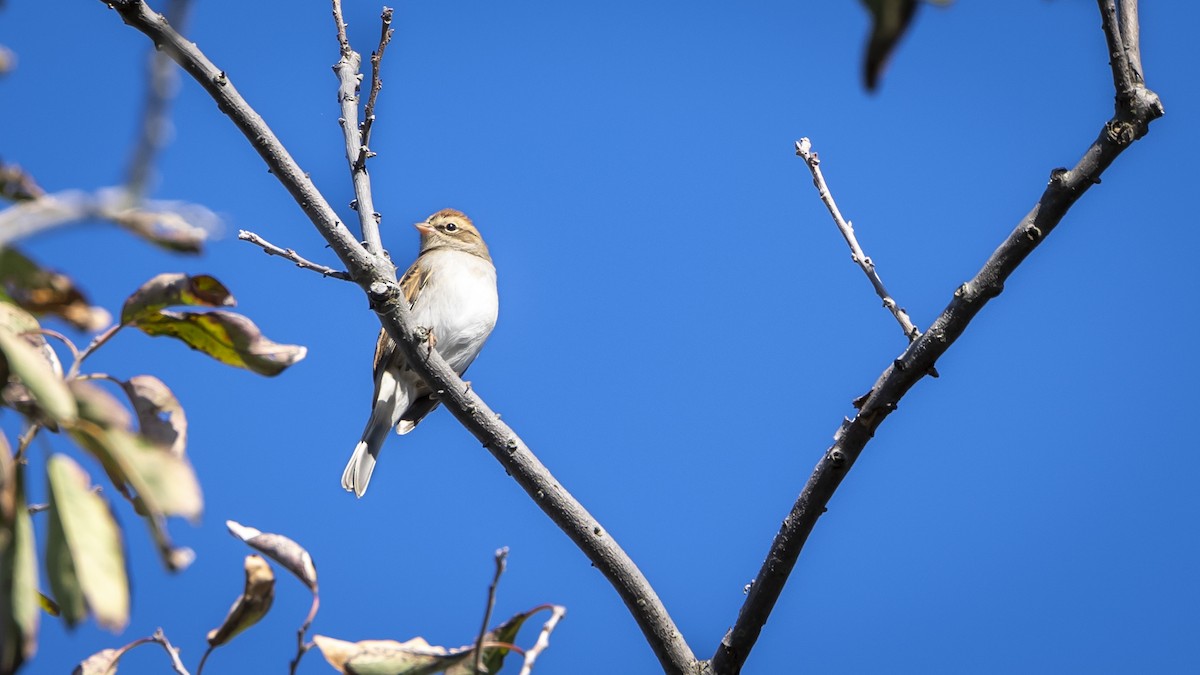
x,y
349,80
204,659
302,646
61,338
1064,189
96,343
290,254
804,150
543,641
385,36
376,276
501,563
161,84
172,650
25,439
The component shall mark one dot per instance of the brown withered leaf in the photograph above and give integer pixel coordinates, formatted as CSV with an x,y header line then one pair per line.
x,y
103,662
43,291
414,657
164,227
174,289
161,419
31,367
251,606
279,548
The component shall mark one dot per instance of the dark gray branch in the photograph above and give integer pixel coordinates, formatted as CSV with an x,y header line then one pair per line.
x,y
1134,113
376,275
1131,37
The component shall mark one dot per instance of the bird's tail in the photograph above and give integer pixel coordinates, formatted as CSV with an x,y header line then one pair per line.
x,y
384,416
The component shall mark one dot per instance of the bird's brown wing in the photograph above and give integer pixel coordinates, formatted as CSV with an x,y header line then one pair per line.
x,y
386,353
385,350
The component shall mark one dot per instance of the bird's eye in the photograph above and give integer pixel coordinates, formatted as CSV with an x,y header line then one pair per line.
x,y
451,227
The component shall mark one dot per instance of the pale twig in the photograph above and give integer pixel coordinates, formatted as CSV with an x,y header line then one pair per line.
x,y
61,338
1065,187
172,650
377,277
385,36
543,641
25,439
96,343
290,254
804,150
501,562
349,80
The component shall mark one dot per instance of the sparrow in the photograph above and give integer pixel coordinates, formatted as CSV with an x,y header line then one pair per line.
x,y
451,291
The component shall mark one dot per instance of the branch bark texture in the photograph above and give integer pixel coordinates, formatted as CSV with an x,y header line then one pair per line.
x,y
1136,107
376,275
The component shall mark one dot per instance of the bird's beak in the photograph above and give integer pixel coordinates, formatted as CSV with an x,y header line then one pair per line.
x,y
423,228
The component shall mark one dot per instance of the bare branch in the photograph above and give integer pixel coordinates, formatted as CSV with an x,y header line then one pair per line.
x,y
377,277
1130,36
804,150
161,84
302,646
501,562
385,36
290,254
1133,117
543,641
346,69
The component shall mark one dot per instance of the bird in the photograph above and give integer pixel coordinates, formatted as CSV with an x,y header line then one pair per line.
x,y
451,291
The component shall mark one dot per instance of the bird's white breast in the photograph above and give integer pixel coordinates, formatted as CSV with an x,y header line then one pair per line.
x,y
459,304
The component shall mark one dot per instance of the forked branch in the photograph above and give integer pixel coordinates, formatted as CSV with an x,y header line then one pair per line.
x,y
1136,108
377,277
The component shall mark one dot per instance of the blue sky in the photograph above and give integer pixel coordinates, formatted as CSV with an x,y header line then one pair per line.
x,y
681,329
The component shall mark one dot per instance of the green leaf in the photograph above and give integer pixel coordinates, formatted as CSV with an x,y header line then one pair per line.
x,y
387,657
227,337
157,481
31,367
167,290
251,606
164,480
83,529
889,20
493,657
42,291
18,573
